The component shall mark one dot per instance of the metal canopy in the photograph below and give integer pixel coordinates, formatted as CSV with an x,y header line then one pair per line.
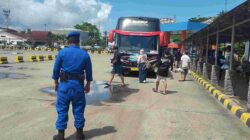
x,y
224,25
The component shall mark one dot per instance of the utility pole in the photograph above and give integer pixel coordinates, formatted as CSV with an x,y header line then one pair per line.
x,y
225,6
106,38
45,25
6,13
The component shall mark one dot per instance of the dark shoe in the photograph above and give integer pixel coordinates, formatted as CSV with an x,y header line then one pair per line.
x,y
79,134
59,136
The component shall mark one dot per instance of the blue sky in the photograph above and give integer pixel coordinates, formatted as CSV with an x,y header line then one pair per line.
x,y
182,9
35,14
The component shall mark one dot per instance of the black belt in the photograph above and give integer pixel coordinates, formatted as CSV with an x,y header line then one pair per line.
x,y
64,77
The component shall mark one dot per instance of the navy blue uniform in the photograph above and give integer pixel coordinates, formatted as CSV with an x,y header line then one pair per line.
x,y
74,61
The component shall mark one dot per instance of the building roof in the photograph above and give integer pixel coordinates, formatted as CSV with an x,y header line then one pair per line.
x,y
10,36
33,35
183,26
38,35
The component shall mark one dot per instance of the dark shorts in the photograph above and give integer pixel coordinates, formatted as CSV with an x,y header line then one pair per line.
x,y
185,71
117,69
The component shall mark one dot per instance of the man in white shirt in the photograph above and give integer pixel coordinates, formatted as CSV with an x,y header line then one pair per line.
x,y
185,64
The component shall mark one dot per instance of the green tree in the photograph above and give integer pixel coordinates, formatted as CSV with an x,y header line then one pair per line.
x,y
199,19
104,41
94,33
222,13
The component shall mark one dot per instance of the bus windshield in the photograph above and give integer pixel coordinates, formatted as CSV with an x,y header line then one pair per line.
x,y
135,43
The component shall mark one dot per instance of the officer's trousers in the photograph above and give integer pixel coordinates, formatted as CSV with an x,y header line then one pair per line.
x,y
71,91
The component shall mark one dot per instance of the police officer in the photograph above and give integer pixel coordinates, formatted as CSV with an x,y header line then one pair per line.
x,y
72,65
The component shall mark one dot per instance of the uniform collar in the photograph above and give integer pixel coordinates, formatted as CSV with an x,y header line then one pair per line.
x,y
73,46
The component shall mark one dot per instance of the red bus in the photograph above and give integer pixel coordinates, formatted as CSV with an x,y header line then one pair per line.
x,y
135,33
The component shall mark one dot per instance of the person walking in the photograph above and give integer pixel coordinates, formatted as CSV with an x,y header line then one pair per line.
x,y
142,60
71,66
117,67
164,64
171,57
177,57
185,64
220,62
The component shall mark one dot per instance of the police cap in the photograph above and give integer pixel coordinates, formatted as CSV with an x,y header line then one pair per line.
x,y
74,34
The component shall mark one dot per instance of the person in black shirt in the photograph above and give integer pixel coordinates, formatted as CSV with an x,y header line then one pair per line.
x,y
117,67
164,63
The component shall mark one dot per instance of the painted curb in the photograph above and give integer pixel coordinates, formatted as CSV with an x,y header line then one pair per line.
x,y
237,110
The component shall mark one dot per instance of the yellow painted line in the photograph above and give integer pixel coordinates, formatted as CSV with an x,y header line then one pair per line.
x,y
244,117
204,84
208,85
226,102
211,88
235,108
220,96
215,92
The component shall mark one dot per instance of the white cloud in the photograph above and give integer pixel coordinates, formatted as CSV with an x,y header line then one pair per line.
x,y
56,13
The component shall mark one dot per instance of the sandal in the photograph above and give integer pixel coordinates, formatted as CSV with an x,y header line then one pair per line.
x,y
154,90
107,84
165,93
123,85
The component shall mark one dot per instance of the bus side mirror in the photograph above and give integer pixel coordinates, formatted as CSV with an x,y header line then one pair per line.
x,y
111,36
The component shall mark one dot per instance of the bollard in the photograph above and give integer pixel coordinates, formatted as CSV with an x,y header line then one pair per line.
x,y
19,59
40,58
214,79
54,57
3,60
228,87
204,72
48,57
248,97
199,67
33,58
193,65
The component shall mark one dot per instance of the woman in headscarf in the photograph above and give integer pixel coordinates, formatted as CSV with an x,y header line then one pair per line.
x,y
142,59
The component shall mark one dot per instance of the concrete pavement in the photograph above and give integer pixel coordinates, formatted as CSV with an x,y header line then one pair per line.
x,y
129,113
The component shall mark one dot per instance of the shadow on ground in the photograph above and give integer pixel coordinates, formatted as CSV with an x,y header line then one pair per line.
x,y
95,132
168,92
118,93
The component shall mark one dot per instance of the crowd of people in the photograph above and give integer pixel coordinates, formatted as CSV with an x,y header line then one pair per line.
x,y
165,67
